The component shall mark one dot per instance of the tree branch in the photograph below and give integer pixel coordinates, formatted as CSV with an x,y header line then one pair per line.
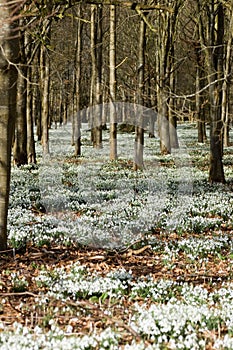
x,y
129,4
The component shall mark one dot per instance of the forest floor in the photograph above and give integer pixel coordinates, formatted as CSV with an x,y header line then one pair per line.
x,y
140,262
167,288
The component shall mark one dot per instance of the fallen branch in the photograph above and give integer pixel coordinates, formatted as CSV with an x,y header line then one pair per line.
x,y
18,294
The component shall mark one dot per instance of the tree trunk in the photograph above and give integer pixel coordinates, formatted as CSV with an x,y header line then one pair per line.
x,y
36,96
171,112
167,28
77,117
200,116
8,82
216,173
112,84
31,152
45,75
20,140
139,130
163,71
214,60
65,111
211,32
226,85
226,128
164,128
93,73
96,55
151,104
98,89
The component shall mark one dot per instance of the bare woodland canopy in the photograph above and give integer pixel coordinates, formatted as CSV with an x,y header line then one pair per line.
x,y
59,57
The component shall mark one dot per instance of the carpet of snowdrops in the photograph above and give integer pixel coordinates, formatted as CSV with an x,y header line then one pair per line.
x,y
103,257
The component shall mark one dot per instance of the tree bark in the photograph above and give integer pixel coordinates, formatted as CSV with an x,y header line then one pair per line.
x,y
139,130
77,117
36,96
99,66
226,84
164,128
162,83
171,112
152,103
9,52
212,41
96,88
45,77
200,116
112,83
20,140
31,152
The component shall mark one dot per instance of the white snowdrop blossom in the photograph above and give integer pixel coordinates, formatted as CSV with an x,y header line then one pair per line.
x,y
105,204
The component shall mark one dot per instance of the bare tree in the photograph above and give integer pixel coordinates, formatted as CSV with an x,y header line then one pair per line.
x,y
44,85
9,52
112,82
31,152
139,127
226,81
96,79
77,117
165,39
200,116
20,139
211,31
